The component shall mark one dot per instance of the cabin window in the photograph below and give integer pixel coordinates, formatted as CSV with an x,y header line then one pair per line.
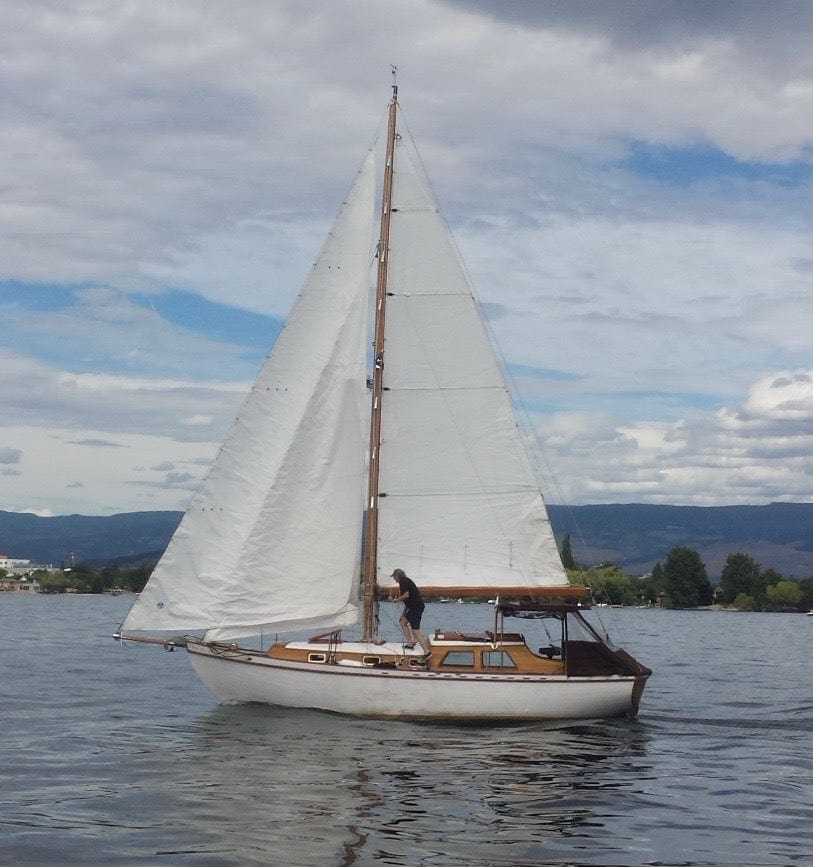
x,y
459,658
498,659
317,657
371,660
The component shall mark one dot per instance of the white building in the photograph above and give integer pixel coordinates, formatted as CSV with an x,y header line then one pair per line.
x,y
12,565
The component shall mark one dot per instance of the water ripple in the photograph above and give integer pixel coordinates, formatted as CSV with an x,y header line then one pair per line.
x,y
117,755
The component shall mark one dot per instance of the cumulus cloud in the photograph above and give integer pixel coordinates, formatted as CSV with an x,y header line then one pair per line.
x,y
9,459
42,395
757,451
170,482
641,304
757,27
152,148
135,137
106,328
104,443
59,476
781,397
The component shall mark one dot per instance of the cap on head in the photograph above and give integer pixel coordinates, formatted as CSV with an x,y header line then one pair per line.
x,y
398,574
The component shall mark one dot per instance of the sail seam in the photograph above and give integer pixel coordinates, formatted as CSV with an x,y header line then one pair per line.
x,y
394,388
424,365
462,492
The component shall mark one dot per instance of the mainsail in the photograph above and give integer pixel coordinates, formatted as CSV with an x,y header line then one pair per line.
x,y
271,541
459,502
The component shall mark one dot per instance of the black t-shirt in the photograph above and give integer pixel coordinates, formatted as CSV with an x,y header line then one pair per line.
x,y
407,585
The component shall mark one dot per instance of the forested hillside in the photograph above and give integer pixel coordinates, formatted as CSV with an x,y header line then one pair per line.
x,y
779,536
636,536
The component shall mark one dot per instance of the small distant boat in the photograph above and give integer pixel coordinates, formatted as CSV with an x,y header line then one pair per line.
x,y
420,456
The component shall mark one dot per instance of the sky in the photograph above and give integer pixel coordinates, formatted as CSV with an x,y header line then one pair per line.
x,y
629,184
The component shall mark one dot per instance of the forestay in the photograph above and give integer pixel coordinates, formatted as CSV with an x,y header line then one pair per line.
x,y
460,505
271,541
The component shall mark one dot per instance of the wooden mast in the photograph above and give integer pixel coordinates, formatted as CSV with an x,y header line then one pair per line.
x,y
371,540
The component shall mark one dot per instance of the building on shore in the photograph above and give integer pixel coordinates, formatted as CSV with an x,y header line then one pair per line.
x,y
16,575
13,566
21,584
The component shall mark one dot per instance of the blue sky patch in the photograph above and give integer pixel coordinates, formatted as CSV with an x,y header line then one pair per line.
x,y
41,297
212,320
49,322
185,309
683,166
546,373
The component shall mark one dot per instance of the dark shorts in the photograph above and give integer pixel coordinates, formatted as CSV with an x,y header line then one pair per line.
x,y
413,616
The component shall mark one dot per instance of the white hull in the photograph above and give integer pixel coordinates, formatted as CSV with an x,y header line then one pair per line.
x,y
236,677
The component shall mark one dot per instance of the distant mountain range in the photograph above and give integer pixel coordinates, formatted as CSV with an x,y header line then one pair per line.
x,y
128,537
778,536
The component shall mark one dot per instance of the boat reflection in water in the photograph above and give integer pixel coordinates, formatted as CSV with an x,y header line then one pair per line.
x,y
319,788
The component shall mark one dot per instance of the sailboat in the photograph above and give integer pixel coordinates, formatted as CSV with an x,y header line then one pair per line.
x,y
345,464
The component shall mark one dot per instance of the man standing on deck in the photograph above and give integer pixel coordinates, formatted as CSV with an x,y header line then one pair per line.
x,y
410,620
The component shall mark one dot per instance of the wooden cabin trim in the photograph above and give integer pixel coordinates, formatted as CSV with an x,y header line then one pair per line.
x,y
464,592
525,661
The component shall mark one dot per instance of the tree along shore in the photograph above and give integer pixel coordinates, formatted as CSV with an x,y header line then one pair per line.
x,y
87,578
680,582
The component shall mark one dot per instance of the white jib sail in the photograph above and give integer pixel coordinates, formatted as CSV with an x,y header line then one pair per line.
x,y
461,505
271,541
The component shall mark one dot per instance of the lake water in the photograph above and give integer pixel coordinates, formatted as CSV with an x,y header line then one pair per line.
x,y
117,755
